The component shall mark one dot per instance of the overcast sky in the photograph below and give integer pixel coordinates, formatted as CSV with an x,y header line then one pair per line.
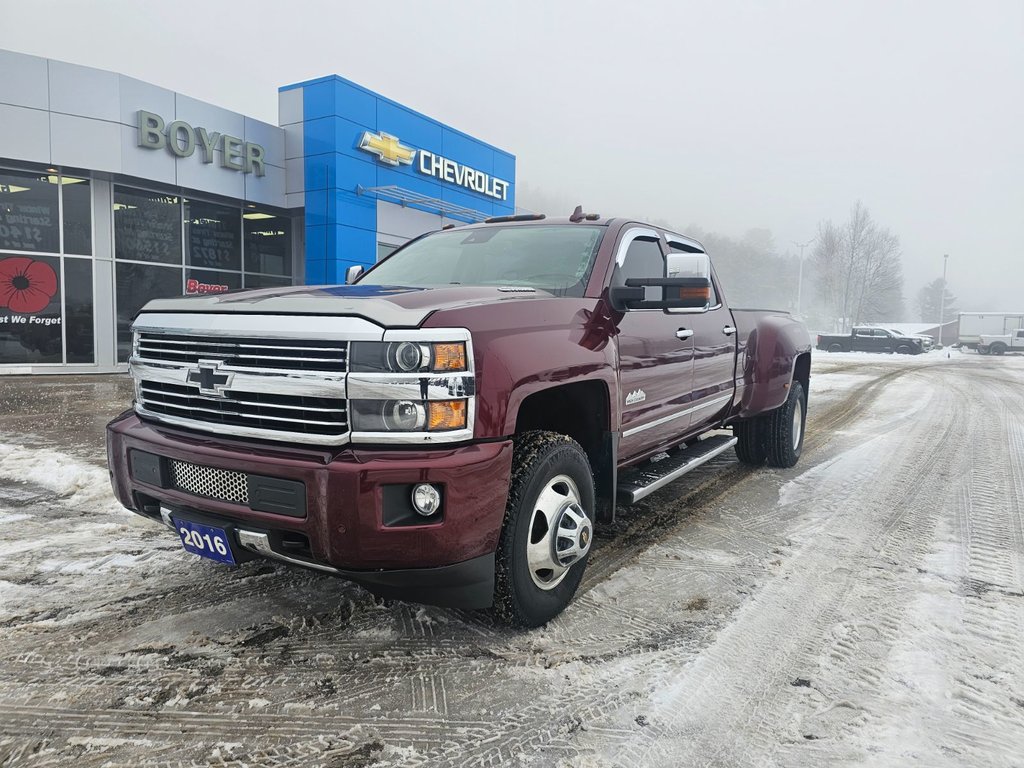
x,y
725,115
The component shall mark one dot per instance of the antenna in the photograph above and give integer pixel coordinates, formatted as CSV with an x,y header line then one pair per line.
x,y
578,215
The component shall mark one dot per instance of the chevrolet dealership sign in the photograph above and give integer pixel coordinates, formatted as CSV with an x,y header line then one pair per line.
x,y
391,151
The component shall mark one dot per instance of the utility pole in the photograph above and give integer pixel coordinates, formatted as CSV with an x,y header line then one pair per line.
x,y
800,278
942,296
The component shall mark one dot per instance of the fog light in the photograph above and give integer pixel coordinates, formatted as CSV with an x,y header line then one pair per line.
x,y
426,499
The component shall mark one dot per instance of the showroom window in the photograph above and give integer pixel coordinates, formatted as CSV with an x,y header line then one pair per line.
x,y
213,236
147,226
46,275
166,246
268,243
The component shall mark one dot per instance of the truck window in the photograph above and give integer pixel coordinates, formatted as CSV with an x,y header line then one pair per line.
x,y
551,258
643,259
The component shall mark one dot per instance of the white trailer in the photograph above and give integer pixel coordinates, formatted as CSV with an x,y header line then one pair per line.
x,y
975,324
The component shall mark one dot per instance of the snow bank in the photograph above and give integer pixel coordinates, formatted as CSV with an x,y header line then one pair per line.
x,y
82,483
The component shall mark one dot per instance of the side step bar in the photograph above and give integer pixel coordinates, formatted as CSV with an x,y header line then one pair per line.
x,y
635,484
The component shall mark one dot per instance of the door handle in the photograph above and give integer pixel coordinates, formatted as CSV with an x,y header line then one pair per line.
x,y
684,333
729,330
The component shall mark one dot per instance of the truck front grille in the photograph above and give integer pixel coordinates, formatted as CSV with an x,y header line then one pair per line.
x,y
221,484
294,414
244,352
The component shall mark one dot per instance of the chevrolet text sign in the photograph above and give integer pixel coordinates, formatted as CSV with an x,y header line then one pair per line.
x,y
455,173
181,139
390,150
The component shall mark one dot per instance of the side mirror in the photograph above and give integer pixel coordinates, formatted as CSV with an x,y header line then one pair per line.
x,y
686,286
352,273
688,265
689,293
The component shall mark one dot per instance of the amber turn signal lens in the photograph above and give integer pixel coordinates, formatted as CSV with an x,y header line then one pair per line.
x,y
449,357
695,293
446,414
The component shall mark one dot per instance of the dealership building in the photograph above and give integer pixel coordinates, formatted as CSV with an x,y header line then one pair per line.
x,y
114,192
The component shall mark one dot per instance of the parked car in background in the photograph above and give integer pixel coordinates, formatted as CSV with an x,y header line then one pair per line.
x,y
864,339
1000,345
927,342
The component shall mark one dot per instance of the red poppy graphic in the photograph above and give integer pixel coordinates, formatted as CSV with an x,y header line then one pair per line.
x,y
26,286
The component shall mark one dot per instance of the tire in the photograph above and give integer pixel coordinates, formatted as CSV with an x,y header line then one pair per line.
x,y
982,350
835,347
750,441
998,348
553,464
903,349
783,444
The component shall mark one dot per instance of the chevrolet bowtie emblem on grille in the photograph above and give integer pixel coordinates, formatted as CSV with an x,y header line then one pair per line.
x,y
210,379
387,148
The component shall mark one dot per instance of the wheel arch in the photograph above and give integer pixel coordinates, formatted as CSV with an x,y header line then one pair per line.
x,y
581,410
802,372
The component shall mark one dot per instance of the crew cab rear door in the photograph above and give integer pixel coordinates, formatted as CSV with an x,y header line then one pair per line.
x,y
655,354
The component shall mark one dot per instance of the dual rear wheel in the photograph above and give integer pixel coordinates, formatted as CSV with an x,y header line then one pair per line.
x,y
776,437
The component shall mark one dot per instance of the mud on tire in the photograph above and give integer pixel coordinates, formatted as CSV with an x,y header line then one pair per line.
x,y
537,459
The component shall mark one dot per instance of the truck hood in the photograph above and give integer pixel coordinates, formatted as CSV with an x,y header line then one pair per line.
x,y
390,306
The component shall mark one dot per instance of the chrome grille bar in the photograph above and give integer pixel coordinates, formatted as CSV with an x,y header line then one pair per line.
x,y
290,412
309,355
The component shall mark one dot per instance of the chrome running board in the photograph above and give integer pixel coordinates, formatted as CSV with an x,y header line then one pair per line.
x,y
635,484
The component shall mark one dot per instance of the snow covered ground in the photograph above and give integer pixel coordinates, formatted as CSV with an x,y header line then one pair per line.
x,y
864,608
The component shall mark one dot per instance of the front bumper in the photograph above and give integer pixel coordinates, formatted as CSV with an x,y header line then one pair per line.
x,y
349,496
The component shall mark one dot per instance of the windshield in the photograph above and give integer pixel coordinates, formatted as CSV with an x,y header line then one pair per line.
x,y
552,258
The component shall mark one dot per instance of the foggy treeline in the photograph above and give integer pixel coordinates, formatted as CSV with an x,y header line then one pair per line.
x,y
852,270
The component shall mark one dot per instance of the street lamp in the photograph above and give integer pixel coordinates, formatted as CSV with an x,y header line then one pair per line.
x,y
942,296
800,278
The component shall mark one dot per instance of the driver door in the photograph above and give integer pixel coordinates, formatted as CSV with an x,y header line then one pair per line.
x,y
655,352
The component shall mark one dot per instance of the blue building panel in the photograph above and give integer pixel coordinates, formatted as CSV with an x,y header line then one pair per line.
x,y
341,223
412,128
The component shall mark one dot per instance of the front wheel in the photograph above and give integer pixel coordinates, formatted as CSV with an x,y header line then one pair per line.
x,y
784,429
904,349
548,529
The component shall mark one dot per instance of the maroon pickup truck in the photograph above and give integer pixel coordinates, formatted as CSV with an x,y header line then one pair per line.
x,y
450,427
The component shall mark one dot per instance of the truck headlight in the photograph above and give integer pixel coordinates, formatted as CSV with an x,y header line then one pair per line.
x,y
408,415
413,386
407,357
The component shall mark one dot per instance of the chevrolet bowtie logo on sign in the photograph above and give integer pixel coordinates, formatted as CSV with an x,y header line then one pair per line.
x,y
387,148
393,152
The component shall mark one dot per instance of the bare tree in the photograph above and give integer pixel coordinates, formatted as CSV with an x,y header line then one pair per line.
x,y
859,272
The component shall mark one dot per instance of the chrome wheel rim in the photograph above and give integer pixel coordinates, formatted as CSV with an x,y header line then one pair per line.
x,y
560,532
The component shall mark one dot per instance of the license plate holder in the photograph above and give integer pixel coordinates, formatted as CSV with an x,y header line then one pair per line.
x,y
204,540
